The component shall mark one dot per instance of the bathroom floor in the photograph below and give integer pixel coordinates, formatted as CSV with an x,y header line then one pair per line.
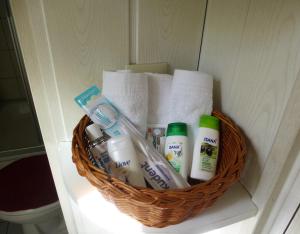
x,y
10,228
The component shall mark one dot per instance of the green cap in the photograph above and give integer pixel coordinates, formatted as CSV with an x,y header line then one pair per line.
x,y
177,129
208,121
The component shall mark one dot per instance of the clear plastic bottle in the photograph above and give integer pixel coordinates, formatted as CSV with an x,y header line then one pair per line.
x,y
97,147
206,148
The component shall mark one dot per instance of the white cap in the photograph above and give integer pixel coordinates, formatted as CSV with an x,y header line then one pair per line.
x,y
93,132
119,143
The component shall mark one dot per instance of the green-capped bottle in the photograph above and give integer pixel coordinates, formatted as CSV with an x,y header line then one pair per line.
x,y
176,147
206,148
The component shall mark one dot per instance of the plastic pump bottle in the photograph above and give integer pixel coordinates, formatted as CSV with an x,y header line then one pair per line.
x,y
206,148
176,147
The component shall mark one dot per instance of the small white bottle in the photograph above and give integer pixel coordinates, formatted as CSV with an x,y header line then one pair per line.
x,y
206,148
176,147
123,154
98,147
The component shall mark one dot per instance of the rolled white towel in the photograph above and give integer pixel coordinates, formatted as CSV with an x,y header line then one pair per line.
x,y
129,93
159,98
191,96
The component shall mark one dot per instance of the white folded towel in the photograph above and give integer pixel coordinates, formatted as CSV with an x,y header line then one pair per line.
x,y
129,93
159,98
191,96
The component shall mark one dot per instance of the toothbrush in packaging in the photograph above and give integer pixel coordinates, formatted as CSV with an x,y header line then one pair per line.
x,y
157,171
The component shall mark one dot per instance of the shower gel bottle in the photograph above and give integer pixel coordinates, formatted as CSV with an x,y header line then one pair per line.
x,y
206,148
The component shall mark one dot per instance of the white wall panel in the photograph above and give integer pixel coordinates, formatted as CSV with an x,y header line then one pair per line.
x,y
294,227
85,37
253,51
169,31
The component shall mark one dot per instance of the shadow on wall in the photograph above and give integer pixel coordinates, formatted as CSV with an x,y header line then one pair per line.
x,y
288,167
252,163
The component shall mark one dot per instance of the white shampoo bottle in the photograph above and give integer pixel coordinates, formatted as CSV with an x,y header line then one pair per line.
x,y
176,148
206,148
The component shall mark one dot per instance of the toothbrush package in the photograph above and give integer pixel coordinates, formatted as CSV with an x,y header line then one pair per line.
x,y
157,171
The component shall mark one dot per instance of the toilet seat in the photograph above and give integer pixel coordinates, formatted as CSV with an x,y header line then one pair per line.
x,y
31,215
27,184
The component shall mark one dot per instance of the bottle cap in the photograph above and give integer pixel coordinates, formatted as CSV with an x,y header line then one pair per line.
x,y
177,129
119,143
208,121
93,132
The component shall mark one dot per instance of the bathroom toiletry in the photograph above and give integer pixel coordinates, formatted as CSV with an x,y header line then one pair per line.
x,y
128,92
157,137
158,104
206,148
123,154
157,171
176,147
93,160
191,96
98,148
159,174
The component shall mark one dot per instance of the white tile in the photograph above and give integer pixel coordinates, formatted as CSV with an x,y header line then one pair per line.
x,y
7,68
3,227
3,9
3,45
27,134
14,228
9,89
7,34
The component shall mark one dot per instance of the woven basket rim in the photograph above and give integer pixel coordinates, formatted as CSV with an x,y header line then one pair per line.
x,y
114,180
160,208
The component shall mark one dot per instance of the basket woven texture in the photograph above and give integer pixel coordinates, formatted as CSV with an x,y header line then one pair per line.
x,y
162,208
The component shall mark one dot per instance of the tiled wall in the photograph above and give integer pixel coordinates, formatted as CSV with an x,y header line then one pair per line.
x,y
10,228
11,86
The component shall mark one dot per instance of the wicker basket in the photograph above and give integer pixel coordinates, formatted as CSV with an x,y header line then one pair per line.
x,y
167,207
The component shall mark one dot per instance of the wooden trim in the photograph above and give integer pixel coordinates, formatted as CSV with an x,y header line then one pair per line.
x,y
285,197
30,25
275,172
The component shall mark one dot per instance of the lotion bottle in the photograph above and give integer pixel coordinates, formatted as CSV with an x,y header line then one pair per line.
x,y
176,147
206,148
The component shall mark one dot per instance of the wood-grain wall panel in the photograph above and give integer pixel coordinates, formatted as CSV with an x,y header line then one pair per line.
x,y
85,38
169,31
253,50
